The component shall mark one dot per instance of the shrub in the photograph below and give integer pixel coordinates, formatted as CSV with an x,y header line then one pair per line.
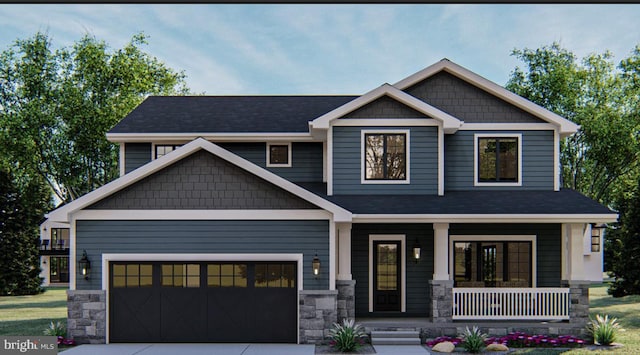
x,y
58,329
473,340
603,329
348,336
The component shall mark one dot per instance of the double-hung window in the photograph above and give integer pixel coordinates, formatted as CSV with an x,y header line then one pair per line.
x,y
385,156
498,160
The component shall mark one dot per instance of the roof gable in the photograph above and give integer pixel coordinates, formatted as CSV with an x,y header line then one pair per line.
x,y
385,107
449,123
468,102
63,214
565,126
202,181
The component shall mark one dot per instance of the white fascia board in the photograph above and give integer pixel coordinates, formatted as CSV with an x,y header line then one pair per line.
x,y
218,137
508,127
566,127
450,123
62,214
207,215
485,218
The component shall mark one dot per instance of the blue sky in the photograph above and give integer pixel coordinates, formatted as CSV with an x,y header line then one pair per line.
x,y
278,49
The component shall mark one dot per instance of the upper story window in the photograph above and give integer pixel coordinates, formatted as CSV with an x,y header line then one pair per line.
x,y
279,154
385,156
498,160
165,149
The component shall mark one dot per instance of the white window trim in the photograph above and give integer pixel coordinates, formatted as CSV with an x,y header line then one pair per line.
x,y
269,165
498,238
475,158
363,180
403,268
154,144
107,258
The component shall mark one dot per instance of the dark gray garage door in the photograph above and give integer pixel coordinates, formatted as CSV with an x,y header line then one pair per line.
x,y
203,302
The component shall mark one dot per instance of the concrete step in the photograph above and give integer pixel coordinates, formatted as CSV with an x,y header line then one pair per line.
x,y
397,337
395,341
396,334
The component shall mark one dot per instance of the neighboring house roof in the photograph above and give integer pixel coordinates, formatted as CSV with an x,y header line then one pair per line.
x,y
565,126
62,214
226,114
523,205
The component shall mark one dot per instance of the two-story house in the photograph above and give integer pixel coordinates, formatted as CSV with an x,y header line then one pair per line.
x,y
267,218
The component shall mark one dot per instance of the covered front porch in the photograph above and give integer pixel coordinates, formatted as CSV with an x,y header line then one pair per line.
x,y
441,288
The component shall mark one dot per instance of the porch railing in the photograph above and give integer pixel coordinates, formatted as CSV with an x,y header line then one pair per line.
x,y
511,303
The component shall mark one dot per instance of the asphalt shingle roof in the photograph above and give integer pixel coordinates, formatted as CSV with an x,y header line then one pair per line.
x,y
565,201
227,114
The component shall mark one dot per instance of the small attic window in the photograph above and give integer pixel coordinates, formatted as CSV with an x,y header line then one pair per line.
x,y
278,154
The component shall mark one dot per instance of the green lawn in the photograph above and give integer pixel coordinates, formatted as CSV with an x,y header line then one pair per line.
x,y
31,315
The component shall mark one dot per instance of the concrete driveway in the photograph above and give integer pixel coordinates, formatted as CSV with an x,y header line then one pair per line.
x,y
192,349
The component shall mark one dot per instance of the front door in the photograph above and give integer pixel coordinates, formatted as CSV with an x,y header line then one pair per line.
x,y
386,276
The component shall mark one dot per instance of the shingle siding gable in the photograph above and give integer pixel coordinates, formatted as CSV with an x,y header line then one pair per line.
x,y
467,102
385,107
202,181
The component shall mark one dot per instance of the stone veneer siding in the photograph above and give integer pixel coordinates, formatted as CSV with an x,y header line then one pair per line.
x,y
318,312
86,322
579,312
346,299
441,300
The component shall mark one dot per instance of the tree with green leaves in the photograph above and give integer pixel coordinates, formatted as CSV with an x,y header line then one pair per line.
x,y
599,97
22,204
602,160
57,105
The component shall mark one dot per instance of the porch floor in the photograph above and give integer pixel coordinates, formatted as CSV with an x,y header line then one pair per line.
x,y
494,328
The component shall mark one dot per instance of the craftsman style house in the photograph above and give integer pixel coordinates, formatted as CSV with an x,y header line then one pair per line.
x,y
267,218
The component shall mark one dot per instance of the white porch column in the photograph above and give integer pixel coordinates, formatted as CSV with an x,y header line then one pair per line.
x,y
441,251
344,251
576,252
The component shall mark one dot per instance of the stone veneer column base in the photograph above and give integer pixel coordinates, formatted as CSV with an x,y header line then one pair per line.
x,y
441,300
579,312
346,299
86,316
318,311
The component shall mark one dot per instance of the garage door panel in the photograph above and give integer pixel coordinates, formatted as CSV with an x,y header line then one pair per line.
x,y
204,302
230,314
136,313
183,313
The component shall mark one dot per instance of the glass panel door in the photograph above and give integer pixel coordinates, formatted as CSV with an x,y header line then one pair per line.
x,y
386,271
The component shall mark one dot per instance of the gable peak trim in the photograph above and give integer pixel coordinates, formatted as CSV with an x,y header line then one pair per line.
x,y
565,126
63,214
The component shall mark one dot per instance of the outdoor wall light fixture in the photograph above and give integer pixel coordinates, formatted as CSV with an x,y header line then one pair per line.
x,y
315,264
596,234
85,265
416,251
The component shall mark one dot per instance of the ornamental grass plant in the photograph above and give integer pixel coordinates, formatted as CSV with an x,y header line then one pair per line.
x,y
603,329
473,340
348,336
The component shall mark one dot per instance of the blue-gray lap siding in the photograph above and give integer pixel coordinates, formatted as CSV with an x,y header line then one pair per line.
x,y
347,162
215,237
136,155
417,274
306,159
537,160
548,245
